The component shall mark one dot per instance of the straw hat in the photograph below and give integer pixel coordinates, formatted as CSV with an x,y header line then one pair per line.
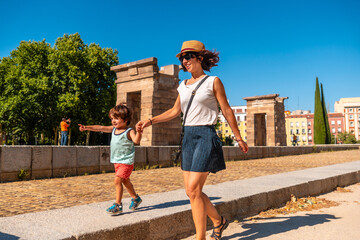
x,y
191,46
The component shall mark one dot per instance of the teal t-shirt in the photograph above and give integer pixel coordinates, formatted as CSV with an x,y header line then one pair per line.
x,y
122,150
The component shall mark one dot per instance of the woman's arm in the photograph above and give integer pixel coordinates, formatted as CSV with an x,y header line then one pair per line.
x,y
219,92
95,128
164,117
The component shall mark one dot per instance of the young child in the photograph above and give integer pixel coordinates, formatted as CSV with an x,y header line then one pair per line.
x,y
122,152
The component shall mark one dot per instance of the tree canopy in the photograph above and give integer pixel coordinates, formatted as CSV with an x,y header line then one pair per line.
x,y
40,84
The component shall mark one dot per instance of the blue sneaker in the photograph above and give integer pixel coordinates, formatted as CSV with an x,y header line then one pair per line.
x,y
135,202
115,209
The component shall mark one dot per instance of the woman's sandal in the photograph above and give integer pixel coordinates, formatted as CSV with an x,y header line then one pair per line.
x,y
222,226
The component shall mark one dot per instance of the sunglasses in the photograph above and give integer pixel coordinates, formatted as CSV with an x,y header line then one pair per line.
x,y
187,56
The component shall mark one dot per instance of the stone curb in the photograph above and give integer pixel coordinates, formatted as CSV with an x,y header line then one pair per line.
x,y
168,215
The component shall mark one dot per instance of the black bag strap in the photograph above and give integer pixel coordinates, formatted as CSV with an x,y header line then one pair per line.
x,y
186,112
192,97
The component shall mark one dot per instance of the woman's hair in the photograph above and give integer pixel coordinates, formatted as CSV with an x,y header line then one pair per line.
x,y
210,59
121,111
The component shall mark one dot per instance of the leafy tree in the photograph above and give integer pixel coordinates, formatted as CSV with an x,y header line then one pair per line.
x,y
227,141
26,92
319,121
347,138
325,115
39,84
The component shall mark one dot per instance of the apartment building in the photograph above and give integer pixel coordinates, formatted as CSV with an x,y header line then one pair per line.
x,y
302,125
224,129
350,108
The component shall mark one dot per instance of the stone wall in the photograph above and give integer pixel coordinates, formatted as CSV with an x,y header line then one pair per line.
x,y
62,161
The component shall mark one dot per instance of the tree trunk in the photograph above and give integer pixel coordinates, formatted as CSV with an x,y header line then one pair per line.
x,y
55,136
69,137
1,135
87,138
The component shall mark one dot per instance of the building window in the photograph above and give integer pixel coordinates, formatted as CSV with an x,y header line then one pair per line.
x,y
339,122
350,110
297,124
351,124
304,138
333,130
238,118
226,125
309,131
310,138
358,109
245,118
291,132
351,116
332,122
303,124
238,124
226,131
309,123
339,130
297,132
303,131
291,124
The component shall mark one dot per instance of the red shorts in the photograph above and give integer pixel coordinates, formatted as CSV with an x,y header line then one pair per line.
x,y
123,170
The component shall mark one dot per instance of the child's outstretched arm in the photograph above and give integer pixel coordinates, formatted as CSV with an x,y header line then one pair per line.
x,y
95,128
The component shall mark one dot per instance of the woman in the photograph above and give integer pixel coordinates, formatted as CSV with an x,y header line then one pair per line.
x,y
199,133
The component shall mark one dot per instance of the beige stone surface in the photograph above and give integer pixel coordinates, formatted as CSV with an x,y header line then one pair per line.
x,y
336,222
39,195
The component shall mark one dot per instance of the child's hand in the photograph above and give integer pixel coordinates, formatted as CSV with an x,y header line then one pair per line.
x,y
138,127
82,128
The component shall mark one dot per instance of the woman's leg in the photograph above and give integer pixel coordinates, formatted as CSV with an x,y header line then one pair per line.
x,y
119,189
200,203
129,187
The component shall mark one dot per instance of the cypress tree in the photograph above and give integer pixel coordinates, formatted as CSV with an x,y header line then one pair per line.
x,y
319,123
325,114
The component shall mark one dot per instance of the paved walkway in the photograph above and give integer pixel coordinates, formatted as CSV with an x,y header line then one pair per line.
x,y
337,222
40,195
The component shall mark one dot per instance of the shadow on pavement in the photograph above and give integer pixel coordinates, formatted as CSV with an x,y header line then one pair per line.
x,y
163,205
5,236
261,230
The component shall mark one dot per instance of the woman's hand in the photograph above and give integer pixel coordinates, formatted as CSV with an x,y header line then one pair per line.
x,y
143,124
243,146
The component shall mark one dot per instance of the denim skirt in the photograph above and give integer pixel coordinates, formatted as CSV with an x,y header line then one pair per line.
x,y
201,150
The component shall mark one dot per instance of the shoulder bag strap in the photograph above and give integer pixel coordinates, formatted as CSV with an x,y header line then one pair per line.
x,y
192,97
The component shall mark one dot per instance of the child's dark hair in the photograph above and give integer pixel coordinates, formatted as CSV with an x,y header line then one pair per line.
x,y
210,59
121,111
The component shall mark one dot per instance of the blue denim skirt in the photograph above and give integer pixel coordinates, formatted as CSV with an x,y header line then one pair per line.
x,y
201,150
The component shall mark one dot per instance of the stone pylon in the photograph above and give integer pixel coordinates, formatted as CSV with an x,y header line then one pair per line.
x,y
265,120
149,91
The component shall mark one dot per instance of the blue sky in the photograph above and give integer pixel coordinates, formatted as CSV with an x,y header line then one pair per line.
x,y
265,46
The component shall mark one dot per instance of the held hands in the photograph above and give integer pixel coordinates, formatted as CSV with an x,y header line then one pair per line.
x,y
138,127
143,124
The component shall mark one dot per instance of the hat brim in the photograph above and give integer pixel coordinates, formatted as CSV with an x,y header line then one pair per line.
x,y
187,50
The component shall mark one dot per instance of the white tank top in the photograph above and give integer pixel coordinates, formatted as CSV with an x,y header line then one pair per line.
x,y
204,108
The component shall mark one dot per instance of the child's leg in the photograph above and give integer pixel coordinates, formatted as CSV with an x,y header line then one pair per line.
x,y
119,189
129,187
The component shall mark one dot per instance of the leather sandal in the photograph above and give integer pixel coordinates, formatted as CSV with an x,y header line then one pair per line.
x,y
223,225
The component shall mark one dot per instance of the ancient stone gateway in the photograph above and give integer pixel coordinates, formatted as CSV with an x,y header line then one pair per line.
x,y
150,92
265,120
